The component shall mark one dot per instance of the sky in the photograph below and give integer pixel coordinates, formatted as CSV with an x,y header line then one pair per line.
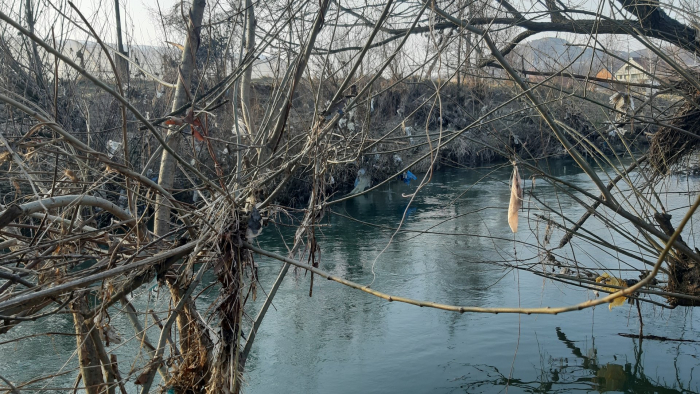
x,y
141,26
139,23
137,16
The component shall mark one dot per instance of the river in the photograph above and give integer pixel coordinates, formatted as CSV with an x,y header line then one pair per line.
x,y
342,340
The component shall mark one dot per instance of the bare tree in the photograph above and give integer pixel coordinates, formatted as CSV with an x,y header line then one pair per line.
x,y
330,95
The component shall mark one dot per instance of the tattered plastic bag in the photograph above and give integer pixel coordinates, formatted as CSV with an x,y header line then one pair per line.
x,y
611,280
362,181
623,104
407,177
114,148
516,199
107,333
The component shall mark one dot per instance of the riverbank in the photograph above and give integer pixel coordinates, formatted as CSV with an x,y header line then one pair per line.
x,y
473,126
383,135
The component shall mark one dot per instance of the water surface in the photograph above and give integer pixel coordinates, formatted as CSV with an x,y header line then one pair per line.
x,y
345,341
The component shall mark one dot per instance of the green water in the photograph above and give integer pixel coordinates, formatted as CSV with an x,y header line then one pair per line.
x,y
345,341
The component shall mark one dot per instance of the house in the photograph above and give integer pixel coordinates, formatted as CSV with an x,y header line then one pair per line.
x,y
642,70
603,74
636,70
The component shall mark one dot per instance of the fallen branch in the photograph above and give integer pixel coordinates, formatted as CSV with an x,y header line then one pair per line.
x,y
83,282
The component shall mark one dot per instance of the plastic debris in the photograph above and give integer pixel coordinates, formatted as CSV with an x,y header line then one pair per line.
x,y
408,130
407,177
255,223
611,280
114,148
614,131
362,181
566,271
516,199
623,104
108,334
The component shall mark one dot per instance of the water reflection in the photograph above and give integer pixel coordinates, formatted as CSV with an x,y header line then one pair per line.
x,y
582,372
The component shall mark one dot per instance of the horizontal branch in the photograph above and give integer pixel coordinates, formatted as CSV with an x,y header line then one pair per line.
x,y
446,307
86,281
16,279
666,29
65,201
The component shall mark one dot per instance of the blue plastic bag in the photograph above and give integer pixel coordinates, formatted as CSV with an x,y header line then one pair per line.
x,y
408,177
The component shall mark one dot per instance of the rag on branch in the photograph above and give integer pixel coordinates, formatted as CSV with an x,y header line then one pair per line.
x,y
516,199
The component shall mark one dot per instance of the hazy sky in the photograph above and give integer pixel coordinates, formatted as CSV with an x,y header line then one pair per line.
x,y
141,25
138,19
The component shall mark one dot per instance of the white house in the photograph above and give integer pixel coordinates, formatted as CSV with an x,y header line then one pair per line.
x,y
636,70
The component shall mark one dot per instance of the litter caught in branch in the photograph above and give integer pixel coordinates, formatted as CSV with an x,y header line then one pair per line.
x,y
516,199
623,104
605,278
196,126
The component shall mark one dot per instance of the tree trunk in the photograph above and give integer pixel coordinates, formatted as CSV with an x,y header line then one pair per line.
x,y
182,93
193,340
36,60
249,44
684,272
285,105
195,344
102,355
90,367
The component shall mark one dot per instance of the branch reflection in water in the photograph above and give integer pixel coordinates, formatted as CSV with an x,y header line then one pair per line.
x,y
582,372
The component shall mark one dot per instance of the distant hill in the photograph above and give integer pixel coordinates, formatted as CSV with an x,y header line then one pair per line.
x,y
551,53
554,54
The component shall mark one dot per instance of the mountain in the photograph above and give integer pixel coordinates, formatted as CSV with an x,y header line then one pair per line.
x,y
554,54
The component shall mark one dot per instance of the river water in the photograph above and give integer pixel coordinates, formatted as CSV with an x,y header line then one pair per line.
x,y
342,340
